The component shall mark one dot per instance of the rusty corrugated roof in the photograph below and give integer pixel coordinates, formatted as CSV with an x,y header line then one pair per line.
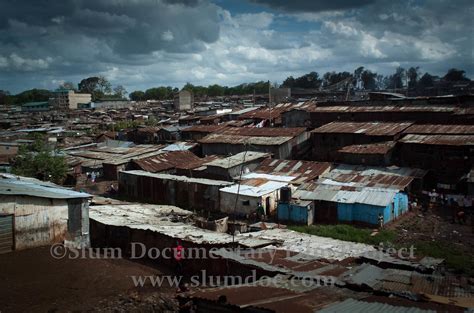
x,y
203,128
387,108
303,170
169,160
442,140
441,129
373,148
263,131
367,128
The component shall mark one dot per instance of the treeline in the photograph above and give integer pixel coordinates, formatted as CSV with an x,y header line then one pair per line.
x,y
361,79
167,93
365,79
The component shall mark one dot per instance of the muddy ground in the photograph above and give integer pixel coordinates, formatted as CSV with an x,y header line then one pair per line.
x,y
33,281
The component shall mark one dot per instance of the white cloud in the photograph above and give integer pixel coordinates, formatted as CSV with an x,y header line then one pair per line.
x,y
167,35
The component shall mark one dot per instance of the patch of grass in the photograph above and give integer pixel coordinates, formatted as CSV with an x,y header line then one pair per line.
x,y
455,258
347,233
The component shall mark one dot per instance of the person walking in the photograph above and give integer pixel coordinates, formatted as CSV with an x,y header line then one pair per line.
x,y
380,221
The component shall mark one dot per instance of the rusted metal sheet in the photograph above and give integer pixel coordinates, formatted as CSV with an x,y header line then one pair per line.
x,y
441,140
303,170
6,233
441,129
203,129
263,131
386,109
170,160
243,140
370,128
374,148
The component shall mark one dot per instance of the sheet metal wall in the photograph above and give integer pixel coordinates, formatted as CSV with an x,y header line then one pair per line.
x,y
186,195
295,213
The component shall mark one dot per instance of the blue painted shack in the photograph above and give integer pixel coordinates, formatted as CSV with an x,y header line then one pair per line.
x,y
342,204
299,212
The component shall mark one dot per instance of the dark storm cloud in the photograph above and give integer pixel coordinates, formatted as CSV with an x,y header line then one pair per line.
x,y
42,33
313,5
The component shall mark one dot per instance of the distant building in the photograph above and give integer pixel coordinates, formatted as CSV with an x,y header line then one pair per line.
x,y
35,213
65,99
184,101
35,106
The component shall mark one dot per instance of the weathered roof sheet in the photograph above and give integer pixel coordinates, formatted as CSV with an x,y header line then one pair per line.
x,y
156,218
441,140
203,128
365,176
239,158
367,128
243,140
336,193
250,189
302,170
179,146
263,131
25,186
387,108
372,148
179,178
441,129
168,160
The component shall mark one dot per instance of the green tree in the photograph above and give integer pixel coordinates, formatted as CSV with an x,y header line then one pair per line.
x,y
40,161
413,75
454,75
137,95
97,86
67,85
426,81
368,80
120,92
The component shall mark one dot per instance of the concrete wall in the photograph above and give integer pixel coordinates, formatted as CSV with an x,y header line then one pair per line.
x,y
43,221
76,98
227,203
184,101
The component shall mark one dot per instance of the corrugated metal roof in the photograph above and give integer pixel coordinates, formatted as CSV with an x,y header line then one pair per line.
x,y
239,158
243,140
385,109
263,131
367,128
358,306
442,140
372,148
179,146
203,128
179,178
24,186
254,191
381,177
441,129
337,193
168,160
156,218
303,171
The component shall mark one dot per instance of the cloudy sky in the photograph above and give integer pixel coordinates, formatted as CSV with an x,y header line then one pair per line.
x,y
146,43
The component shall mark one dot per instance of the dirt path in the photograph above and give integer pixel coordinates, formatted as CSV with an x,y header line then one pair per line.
x,y
33,281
